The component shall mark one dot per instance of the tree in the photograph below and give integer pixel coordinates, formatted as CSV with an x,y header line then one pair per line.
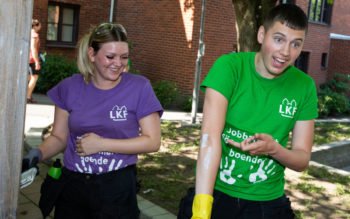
x,y
249,17
14,42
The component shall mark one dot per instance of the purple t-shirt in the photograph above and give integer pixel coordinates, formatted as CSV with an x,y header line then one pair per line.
x,y
113,113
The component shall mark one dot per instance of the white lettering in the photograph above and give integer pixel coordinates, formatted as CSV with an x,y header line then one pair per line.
x,y
281,110
99,161
244,157
288,110
111,115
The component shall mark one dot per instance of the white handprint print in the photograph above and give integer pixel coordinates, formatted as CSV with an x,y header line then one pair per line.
x,y
262,173
87,167
111,165
225,173
84,168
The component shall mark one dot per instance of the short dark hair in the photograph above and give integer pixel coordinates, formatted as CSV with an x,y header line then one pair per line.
x,y
289,14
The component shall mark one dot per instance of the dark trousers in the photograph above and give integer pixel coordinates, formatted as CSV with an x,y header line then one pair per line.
x,y
106,196
227,207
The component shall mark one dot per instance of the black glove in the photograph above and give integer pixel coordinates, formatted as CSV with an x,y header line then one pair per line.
x,y
31,159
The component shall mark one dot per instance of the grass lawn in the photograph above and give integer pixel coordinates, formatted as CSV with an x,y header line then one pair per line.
x,y
166,175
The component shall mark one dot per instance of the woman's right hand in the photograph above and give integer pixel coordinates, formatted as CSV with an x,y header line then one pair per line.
x,y
31,159
87,144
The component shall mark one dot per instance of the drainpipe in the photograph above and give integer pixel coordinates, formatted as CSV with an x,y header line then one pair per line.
x,y
200,54
111,11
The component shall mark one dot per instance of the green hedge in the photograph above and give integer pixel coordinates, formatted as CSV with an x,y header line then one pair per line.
x,y
166,91
332,97
331,103
54,69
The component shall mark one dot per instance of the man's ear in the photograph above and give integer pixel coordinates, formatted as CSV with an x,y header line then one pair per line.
x,y
91,54
261,34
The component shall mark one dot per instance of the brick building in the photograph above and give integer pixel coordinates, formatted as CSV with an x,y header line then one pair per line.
x,y
339,51
340,40
165,34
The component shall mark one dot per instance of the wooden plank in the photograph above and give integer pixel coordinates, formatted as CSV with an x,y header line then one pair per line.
x,y
15,26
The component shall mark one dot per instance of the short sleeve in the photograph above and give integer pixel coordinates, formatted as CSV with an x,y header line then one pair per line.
x,y
309,109
61,94
221,76
148,102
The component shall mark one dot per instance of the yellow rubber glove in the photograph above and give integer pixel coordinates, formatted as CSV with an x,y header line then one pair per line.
x,y
201,208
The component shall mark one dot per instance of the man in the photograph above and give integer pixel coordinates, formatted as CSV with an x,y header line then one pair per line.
x,y
252,102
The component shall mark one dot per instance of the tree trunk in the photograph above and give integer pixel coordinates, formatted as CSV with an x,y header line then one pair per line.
x,y
15,25
249,17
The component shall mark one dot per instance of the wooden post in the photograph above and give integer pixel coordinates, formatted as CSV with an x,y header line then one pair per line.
x,y
197,74
15,26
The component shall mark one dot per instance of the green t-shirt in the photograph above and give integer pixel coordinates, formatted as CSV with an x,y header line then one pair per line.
x,y
257,105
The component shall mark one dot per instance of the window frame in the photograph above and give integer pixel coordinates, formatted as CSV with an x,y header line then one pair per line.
x,y
287,2
325,13
75,31
302,62
324,60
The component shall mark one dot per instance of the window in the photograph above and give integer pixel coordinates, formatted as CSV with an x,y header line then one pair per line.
x,y
302,61
287,1
62,24
324,60
320,11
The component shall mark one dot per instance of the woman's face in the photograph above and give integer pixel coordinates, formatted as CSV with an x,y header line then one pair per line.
x,y
110,61
37,28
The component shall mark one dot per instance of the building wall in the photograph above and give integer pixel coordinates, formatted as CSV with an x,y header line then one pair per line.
x,y
91,13
165,35
341,17
340,48
317,42
340,52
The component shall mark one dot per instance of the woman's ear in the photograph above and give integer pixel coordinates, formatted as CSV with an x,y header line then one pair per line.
x,y
261,34
91,54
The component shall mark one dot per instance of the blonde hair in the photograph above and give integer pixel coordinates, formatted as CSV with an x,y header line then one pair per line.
x,y
103,33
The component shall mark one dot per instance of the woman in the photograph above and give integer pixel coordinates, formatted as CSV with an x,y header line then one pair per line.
x,y
104,117
34,60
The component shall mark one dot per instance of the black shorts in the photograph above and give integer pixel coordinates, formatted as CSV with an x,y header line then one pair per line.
x,y
32,70
228,207
105,196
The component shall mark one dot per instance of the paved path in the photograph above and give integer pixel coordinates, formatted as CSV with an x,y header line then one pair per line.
x,y
39,116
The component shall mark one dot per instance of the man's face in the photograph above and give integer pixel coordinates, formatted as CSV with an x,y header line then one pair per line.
x,y
280,47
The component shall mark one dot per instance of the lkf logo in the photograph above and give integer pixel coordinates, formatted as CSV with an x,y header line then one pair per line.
x,y
288,108
118,113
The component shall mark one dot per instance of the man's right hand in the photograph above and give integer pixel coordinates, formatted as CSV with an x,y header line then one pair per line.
x,y
31,159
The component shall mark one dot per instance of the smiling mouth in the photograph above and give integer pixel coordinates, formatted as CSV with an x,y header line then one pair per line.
x,y
116,70
278,62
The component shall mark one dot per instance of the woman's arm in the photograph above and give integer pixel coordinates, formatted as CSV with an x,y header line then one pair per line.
x,y
148,141
57,141
34,49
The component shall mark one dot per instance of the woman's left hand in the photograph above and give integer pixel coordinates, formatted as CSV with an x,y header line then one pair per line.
x,y
88,144
259,144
